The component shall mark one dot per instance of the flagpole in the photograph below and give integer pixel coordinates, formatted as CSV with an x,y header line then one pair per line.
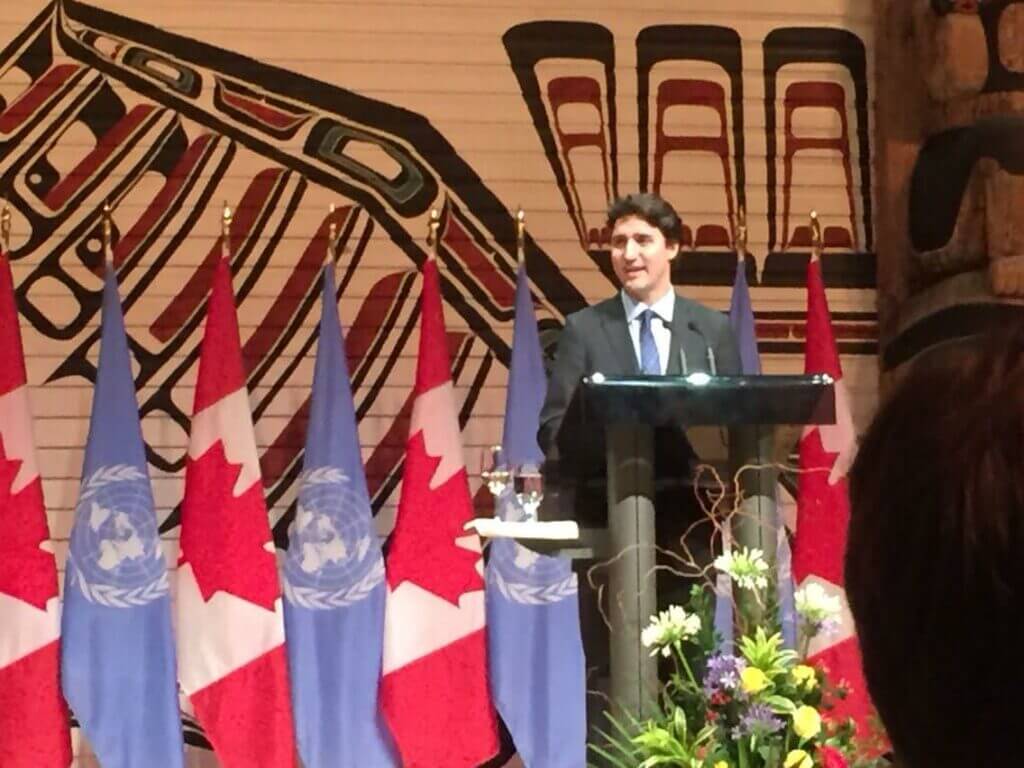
x,y
108,256
739,239
739,235
817,242
225,233
432,230
5,228
330,256
754,486
521,236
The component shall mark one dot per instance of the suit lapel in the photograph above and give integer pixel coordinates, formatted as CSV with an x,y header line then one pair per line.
x,y
680,317
616,330
686,342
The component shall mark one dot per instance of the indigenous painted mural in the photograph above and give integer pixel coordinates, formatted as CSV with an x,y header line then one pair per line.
x,y
170,110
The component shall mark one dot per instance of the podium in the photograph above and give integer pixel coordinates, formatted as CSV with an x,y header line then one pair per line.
x,y
603,475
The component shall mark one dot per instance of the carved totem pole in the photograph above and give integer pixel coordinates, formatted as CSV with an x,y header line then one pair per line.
x,y
950,160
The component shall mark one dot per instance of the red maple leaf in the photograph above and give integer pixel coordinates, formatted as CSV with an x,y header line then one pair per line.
x,y
422,547
26,571
223,535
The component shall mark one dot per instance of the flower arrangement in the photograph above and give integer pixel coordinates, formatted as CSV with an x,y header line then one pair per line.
x,y
760,706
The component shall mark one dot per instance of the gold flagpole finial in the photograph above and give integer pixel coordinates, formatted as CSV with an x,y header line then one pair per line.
x,y
435,225
817,243
108,256
520,235
332,235
225,231
5,227
739,235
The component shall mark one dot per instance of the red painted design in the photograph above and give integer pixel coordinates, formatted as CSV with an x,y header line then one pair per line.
x,y
369,321
286,446
586,91
827,95
161,203
390,449
35,96
305,273
105,147
480,266
261,111
187,301
702,93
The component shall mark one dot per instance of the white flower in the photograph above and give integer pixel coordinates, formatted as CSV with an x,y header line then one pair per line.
x,y
815,605
747,568
668,628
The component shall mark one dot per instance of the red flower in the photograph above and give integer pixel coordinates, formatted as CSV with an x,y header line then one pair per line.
x,y
719,699
831,757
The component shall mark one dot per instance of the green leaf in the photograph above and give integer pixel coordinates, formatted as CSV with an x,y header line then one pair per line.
x,y
656,760
706,734
656,738
744,755
611,758
621,742
780,705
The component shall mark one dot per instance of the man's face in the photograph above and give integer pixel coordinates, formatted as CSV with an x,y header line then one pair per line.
x,y
642,259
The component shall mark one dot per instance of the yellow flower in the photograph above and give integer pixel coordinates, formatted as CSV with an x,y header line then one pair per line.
x,y
753,679
721,764
806,722
805,677
797,758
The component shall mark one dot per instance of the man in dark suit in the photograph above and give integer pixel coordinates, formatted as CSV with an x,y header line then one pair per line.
x,y
647,328
644,328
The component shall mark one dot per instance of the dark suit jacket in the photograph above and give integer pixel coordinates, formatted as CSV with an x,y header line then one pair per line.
x,y
597,339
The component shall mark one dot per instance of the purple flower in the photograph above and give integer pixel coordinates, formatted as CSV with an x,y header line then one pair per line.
x,y
758,721
829,626
723,673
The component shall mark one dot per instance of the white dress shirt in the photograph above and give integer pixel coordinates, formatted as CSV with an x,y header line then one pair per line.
x,y
661,324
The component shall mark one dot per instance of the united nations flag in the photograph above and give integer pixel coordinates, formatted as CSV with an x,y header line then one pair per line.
x,y
117,661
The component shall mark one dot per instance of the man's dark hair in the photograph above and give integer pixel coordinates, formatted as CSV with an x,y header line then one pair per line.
x,y
653,209
935,555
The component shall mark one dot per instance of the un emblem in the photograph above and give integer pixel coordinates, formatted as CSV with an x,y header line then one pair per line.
x,y
522,575
115,556
333,557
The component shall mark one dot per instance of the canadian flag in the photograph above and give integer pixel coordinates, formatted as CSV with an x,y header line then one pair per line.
x,y
231,654
434,693
823,508
33,717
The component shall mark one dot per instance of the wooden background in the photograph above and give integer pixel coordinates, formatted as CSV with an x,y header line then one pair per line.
x,y
169,109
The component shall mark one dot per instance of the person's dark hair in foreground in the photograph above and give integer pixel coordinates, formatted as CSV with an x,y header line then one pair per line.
x,y
935,557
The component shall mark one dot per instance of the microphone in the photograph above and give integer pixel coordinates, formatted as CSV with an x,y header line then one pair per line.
x,y
682,352
713,368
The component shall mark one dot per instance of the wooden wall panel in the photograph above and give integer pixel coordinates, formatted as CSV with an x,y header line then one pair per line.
x,y
169,108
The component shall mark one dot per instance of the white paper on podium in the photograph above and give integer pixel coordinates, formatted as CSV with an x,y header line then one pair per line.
x,y
495,528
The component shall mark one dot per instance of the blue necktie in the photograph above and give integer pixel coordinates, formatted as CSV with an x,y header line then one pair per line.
x,y
649,361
